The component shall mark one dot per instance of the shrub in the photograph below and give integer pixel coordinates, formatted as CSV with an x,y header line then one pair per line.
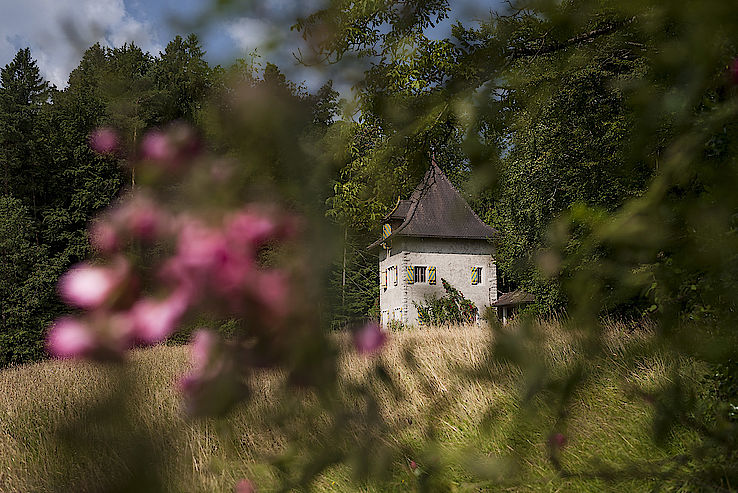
x,y
452,308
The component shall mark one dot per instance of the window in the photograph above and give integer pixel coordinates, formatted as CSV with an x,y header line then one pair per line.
x,y
383,279
476,275
419,272
394,275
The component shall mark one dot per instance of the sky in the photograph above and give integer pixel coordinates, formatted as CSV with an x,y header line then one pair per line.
x,y
59,31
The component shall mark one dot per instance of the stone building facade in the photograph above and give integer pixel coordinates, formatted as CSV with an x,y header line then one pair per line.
x,y
432,236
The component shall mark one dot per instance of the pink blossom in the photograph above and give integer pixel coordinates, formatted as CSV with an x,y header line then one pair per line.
x,y
70,338
104,237
249,229
103,140
205,257
370,338
140,217
245,486
413,465
155,320
88,286
232,271
272,289
198,246
202,346
188,384
557,441
184,139
157,146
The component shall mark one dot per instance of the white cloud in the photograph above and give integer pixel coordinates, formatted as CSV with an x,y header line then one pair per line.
x,y
59,31
250,33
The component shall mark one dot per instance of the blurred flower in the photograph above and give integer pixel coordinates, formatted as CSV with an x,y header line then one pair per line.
x,y
203,344
70,338
184,140
155,320
103,140
199,250
156,146
249,229
413,465
557,441
271,290
104,237
245,486
140,217
171,148
370,338
87,286
202,349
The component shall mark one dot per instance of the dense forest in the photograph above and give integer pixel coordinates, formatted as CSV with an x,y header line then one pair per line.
x,y
54,183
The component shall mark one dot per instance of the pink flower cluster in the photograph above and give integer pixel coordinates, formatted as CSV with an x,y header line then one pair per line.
x,y
170,149
370,338
104,140
209,263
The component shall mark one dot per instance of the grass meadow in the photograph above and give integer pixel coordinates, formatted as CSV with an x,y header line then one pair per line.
x,y
608,424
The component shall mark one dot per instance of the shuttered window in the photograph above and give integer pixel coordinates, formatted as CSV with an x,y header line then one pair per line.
x,y
476,275
419,273
383,279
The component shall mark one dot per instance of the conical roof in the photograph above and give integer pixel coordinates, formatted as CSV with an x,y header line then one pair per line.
x,y
437,210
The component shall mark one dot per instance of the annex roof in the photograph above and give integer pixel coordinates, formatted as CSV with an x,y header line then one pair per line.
x,y
437,210
513,298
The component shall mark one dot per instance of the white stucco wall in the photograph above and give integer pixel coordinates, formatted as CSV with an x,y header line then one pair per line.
x,y
453,260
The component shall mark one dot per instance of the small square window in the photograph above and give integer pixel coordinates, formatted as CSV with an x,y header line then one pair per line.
x,y
419,273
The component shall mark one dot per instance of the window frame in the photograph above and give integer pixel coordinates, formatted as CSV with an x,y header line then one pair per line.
x,y
424,270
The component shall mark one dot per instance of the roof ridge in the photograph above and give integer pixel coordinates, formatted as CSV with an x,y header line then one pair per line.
x,y
436,182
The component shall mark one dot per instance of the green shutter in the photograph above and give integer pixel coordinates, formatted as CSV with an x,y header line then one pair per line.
x,y
431,275
409,274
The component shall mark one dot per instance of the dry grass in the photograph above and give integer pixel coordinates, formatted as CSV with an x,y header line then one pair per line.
x,y
608,422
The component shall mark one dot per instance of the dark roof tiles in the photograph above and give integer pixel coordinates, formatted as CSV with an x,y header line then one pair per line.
x,y
513,298
437,210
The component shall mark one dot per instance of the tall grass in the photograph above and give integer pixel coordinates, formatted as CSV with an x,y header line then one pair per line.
x,y
452,388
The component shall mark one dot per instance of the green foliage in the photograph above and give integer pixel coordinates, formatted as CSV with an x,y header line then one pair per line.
x,y
27,280
601,139
183,79
452,308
